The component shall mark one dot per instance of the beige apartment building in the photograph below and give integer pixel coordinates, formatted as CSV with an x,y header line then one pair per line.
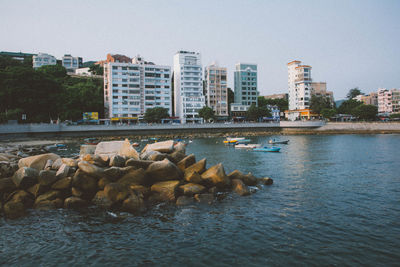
x,y
216,89
370,99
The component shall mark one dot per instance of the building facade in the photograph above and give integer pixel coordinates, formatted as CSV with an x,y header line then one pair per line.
x,y
188,86
216,89
71,63
43,59
277,96
301,88
369,99
17,55
245,84
388,101
130,88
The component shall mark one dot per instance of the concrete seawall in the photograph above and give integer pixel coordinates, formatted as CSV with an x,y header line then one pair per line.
x,y
24,131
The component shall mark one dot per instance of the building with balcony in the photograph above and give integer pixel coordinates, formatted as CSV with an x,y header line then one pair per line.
x,y
188,86
301,88
388,101
245,84
216,89
277,96
130,88
369,99
71,63
43,59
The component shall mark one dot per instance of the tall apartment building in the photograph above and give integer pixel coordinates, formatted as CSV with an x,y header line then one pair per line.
x,y
71,63
369,99
245,87
216,89
43,59
188,86
301,89
130,88
388,101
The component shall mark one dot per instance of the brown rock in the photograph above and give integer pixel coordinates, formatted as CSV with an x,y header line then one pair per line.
x,y
176,156
48,165
193,177
23,197
48,196
7,186
62,171
163,171
216,176
87,149
57,164
127,150
247,179
76,192
114,173
49,204
192,189
140,189
74,203
25,177
167,190
198,167
62,184
70,162
117,161
116,192
101,200
103,182
38,189
84,182
180,147
137,163
267,181
91,169
47,177
13,210
163,147
37,162
186,162
240,188
134,203
204,198
133,177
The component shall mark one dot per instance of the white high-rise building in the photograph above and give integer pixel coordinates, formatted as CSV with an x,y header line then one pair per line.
x,y
188,86
43,59
71,63
130,88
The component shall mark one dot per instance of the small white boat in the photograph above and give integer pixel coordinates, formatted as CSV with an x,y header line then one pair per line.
x,y
247,146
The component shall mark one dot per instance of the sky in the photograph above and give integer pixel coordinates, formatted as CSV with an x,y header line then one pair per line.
x,y
349,43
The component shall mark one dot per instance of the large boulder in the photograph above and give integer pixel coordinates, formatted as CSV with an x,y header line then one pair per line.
x,y
153,155
140,189
7,186
84,182
137,163
87,149
163,171
91,169
180,147
167,191
122,148
38,189
176,156
70,162
134,203
127,150
184,200
215,176
47,177
56,164
193,177
74,203
25,177
7,169
191,189
137,177
37,162
267,181
115,173
248,179
62,184
205,198
23,197
47,197
190,172
101,200
62,171
186,162
13,210
163,147
103,182
240,188
117,161
116,192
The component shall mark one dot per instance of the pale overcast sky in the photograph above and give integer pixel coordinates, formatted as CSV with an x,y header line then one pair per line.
x,y
348,43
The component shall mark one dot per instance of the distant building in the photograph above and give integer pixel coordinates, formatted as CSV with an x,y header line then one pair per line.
x,y
277,96
71,63
275,112
114,58
388,101
301,88
130,88
17,55
83,72
370,99
43,59
216,89
188,86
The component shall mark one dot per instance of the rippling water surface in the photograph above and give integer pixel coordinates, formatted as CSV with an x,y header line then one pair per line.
x,y
335,201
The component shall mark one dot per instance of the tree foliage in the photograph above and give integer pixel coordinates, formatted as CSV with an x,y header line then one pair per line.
x,y
347,106
96,69
255,113
318,103
156,114
282,104
365,112
206,113
353,93
328,113
46,93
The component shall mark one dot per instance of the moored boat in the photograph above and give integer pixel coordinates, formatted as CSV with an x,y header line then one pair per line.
x,y
267,149
273,141
91,141
247,146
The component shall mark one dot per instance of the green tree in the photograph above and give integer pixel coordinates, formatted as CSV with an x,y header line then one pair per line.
x,y
395,116
206,113
365,112
54,71
96,69
347,106
255,113
231,99
156,114
282,103
328,113
318,103
353,93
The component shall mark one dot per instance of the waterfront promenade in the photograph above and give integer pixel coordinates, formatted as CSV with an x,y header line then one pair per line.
x,y
9,131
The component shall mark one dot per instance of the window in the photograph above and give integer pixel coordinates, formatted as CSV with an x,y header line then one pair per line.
x,y
114,67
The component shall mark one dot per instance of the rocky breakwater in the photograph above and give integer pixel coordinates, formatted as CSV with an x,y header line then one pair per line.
x,y
114,176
